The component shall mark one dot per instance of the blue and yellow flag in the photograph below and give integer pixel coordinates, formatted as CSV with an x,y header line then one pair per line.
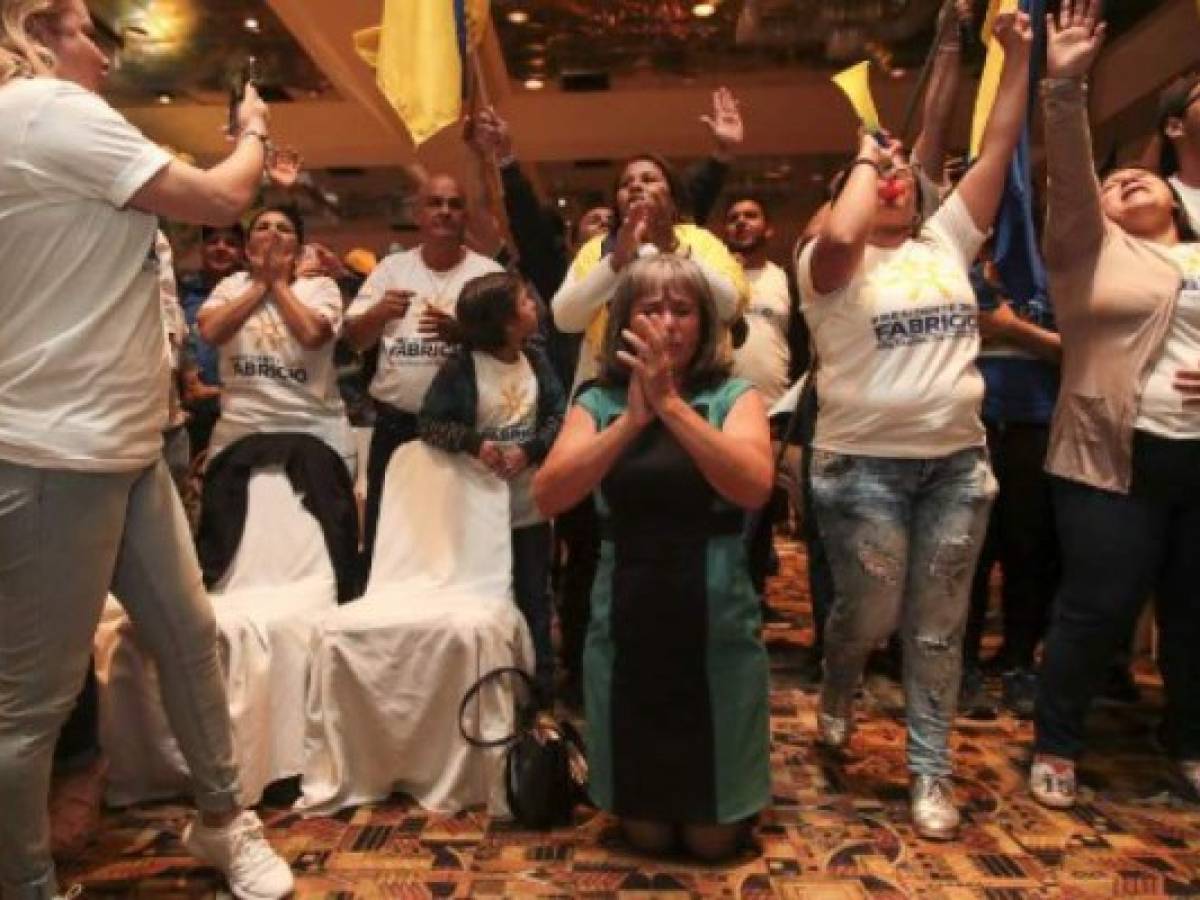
x,y
1015,251
421,54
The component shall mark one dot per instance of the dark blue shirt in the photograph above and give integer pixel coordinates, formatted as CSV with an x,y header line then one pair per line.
x,y
1018,388
194,289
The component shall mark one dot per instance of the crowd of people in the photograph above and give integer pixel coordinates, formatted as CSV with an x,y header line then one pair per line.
x,y
619,377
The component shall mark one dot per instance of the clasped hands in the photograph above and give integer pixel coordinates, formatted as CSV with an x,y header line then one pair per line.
x,y
505,461
652,376
648,221
274,265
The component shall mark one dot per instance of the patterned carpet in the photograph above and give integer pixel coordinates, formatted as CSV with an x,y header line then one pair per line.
x,y
838,828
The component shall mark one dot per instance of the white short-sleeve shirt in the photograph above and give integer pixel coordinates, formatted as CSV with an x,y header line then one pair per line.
x,y
408,361
83,366
506,413
896,346
764,357
1161,410
270,383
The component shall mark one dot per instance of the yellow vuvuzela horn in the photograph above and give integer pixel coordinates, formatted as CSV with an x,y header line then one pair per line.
x,y
855,83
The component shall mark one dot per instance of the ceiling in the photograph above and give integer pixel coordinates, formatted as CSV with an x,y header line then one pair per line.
x,y
618,76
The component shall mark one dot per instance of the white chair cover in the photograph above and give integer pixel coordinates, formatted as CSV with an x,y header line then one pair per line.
x,y
267,606
390,670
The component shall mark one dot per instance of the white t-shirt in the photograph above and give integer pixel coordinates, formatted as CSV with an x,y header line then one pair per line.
x,y
1161,410
407,361
506,413
270,383
764,356
83,369
1191,200
896,347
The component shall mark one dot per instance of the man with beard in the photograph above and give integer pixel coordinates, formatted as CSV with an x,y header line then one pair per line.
x,y
775,349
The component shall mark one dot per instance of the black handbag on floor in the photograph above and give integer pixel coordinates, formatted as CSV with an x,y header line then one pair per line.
x,y
545,769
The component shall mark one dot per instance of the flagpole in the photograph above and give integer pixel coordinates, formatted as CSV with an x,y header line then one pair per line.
x,y
946,19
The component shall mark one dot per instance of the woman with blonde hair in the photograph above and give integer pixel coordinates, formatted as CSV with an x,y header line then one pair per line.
x,y
86,501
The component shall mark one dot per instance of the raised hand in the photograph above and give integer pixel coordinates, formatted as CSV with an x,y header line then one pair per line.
x,y
725,123
631,235
317,260
1013,32
1073,41
283,166
660,224
488,133
279,261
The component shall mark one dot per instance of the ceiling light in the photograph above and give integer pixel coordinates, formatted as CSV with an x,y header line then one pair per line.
x,y
251,24
165,99
518,16
703,10
534,84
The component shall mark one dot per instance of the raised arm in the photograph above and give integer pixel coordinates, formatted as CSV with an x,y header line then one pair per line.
x,y
589,285
982,185
222,316
215,196
929,148
1074,218
842,237
705,182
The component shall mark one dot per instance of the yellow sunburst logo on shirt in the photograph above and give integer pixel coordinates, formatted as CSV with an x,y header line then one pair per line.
x,y
1187,257
513,400
920,274
269,336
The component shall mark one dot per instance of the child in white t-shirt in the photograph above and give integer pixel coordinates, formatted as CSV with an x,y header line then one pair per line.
x,y
500,400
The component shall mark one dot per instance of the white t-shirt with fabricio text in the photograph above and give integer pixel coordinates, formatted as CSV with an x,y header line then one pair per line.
x,y
270,382
896,346
408,361
83,362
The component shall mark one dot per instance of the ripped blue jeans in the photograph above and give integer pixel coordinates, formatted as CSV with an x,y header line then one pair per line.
x,y
902,536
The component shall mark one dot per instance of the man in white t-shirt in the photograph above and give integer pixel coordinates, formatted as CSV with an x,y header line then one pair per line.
x,y
1179,136
407,307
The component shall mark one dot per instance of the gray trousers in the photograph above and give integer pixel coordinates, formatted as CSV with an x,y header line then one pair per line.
x,y
66,538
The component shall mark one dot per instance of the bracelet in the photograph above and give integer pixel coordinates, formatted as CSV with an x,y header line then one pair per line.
x,y
863,161
254,132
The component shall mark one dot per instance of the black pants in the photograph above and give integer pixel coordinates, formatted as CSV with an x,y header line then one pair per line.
x,y
393,427
1021,538
579,530
1117,550
531,588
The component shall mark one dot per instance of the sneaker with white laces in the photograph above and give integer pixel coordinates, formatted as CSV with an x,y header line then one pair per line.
x,y
1052,783
934,814
241,852
1189,771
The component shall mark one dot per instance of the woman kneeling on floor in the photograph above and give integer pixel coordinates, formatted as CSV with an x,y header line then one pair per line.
x,y
675,675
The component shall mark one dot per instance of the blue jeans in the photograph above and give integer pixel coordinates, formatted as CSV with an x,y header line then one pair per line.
x,y
902,536
65,538
1118,550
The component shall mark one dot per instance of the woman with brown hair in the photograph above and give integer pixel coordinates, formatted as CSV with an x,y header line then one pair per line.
x,y
86,501
675,674
900,476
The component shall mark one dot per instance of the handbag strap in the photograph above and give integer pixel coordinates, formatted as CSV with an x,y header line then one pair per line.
x,y
494,675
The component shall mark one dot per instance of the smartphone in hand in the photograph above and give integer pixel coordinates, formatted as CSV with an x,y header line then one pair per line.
x,y
237,90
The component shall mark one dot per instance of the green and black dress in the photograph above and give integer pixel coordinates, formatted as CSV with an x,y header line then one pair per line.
x,y
675,674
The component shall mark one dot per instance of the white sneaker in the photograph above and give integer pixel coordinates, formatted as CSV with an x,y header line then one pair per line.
x,y
934,814
1052,783
241,852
